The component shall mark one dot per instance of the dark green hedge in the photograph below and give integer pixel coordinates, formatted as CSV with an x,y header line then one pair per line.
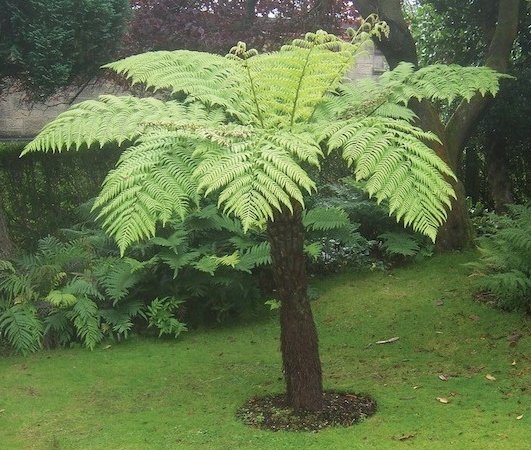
x,y
40,192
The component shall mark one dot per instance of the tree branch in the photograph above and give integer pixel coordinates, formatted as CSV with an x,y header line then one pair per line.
x,y
467,114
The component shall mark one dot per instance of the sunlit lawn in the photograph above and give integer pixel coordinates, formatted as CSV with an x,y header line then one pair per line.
x,y
148,394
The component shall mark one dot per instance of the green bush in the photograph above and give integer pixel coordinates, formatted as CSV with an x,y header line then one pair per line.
x,y
504,270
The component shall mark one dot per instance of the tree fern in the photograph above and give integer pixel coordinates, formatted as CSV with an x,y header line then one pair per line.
x,y
248,126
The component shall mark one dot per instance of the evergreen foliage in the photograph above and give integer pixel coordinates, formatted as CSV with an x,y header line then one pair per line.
x,y
254,123
37,40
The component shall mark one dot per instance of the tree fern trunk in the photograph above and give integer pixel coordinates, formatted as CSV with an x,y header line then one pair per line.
x,y
298,334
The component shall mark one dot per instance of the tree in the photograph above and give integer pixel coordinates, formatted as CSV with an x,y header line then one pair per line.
x,y
497,154
246,128
49,44
501,20
214,26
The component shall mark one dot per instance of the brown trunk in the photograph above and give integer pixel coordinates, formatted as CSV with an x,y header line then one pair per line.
x,y
498,173
6,245
298,334
472,175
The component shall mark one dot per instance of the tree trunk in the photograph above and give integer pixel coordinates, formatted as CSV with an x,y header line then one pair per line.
x,y
400,46
498,173
7,247
472,174
298,334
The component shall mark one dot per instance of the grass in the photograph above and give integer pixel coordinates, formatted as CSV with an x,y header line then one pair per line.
x,y
147,394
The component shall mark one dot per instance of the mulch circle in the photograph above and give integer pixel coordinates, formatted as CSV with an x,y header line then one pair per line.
x,y
339,409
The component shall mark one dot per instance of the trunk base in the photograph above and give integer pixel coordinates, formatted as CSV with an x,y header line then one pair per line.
x,y
274,413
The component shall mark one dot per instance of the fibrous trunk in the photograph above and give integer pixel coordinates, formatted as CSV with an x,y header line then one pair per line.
x,y
298,334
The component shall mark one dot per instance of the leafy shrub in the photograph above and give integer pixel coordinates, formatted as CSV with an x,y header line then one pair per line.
x,y
68,292
401,246
504,270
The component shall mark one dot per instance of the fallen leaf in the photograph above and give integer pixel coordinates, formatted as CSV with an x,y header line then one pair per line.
x,y
513,363
520,417
474,317
443,400
107,347
490,377
416,387
388,341
404,437
443,377
514,338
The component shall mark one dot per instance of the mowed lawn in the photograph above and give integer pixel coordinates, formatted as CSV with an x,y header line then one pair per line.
x,y
149,394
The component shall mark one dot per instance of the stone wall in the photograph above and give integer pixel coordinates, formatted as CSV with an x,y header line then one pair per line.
x,y
20,120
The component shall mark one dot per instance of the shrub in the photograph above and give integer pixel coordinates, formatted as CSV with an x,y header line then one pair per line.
x,y
504,270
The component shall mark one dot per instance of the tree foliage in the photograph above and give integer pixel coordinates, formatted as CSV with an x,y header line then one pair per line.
x,y
47,44
214,26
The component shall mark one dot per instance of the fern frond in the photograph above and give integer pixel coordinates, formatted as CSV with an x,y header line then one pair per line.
x,y
439,82
109,119
204,77
60,299
153,181
87,321
22,328
323,219
398,166
254,256
254,178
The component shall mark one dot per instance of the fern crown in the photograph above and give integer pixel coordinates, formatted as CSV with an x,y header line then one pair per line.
x,y
246,126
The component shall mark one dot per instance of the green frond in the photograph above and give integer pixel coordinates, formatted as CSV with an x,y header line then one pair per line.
x,y
440,82
108,119
323,219
255,177
204,77
397,165
153,181
87,321
60,298
313,250
255,256
22,328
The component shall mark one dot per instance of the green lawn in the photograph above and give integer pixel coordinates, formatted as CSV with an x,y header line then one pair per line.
x,y
147,394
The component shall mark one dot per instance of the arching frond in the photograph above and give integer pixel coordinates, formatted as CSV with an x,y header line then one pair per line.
x,y
254,177
439,82
289,84
397,165
205,77
112,119
152,182
398,86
